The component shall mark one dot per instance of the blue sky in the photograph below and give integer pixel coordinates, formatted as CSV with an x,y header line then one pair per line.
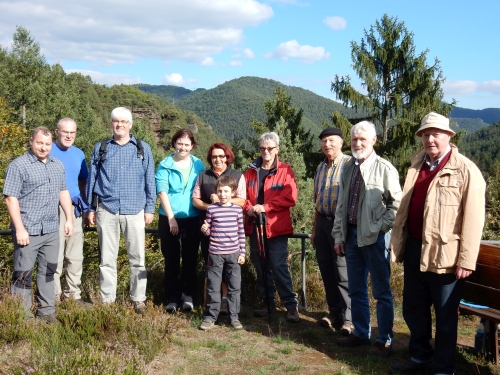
x,y
204,43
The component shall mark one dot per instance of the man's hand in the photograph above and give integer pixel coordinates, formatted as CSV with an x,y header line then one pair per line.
x,y
214,198
148,218
68,228
256,210
462,273
312,238
339,249
22,237
90,218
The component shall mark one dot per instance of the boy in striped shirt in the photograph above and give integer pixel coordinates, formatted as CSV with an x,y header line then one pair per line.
x,y
226,252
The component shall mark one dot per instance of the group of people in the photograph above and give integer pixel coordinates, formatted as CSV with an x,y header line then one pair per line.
x,y
436,223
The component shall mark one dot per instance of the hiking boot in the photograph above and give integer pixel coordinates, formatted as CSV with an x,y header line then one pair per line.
x,y
346,329
236,324
49,319
139,307
187,303
262,310
171,307
207,324
329,321
352,340
409,367
292,315
380,349
224,309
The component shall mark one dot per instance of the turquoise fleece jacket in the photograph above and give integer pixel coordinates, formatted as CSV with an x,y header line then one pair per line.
x,y
169,180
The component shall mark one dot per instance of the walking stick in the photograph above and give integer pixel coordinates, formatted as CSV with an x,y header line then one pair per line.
x,y
263,253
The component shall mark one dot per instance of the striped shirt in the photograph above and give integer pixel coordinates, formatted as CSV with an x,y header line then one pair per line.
x,y
326,184
37,186
225,228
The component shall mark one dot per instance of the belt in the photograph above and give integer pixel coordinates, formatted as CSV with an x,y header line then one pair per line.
x,y
331,218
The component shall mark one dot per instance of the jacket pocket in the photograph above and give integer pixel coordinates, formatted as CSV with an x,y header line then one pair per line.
x,y
449,202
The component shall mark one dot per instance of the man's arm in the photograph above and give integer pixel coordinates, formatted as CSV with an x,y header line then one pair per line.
x,y
82,184
14,211
67,206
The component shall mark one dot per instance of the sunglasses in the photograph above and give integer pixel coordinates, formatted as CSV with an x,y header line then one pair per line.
x,y
218,157
269,149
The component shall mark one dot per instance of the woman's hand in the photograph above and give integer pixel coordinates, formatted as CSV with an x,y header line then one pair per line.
x,y
174,228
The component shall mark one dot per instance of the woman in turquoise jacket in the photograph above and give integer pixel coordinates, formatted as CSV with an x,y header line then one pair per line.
x,y
178,224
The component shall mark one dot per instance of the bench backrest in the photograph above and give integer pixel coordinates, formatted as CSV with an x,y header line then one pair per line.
x,y
483,286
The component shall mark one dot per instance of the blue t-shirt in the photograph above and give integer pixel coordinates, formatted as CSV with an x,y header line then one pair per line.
x,y
74,163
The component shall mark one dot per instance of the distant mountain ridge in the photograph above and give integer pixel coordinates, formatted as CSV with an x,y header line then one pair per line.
x,y
230,107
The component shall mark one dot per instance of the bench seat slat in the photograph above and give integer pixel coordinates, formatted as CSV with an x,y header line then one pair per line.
x,y
482,295
485,275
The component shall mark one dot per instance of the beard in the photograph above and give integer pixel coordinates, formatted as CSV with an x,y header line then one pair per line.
x,y
359,154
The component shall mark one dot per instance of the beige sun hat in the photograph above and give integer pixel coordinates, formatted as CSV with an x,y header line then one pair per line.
x,y
437,121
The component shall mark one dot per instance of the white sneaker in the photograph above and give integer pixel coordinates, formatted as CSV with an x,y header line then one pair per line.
x,y
187,303
171,307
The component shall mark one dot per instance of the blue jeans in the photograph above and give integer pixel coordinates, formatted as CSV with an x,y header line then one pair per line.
x,y
376,260
277,269
421,290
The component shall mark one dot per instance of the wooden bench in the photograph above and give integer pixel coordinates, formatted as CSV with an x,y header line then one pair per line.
x,y
483,288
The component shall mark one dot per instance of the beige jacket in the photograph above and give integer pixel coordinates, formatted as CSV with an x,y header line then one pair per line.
x,y
378,202
453,215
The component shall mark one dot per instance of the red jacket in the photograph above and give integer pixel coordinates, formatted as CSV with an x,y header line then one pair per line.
x,y
280,193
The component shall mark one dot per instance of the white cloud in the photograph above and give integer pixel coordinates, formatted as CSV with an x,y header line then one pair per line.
x,y
208,61
107,32
459,87
335,23
248,53
235,63
491,86
174,79
107,79
305,54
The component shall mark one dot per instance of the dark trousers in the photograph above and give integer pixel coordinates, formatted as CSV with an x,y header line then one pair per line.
x,y
185,243
217,266
333,270
421,290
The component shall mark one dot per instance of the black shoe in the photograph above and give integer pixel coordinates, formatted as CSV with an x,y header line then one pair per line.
x,y
409,367
262,310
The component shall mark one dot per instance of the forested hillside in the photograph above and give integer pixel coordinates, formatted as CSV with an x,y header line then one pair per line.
x,y
488,115
229,108
483,147
470,124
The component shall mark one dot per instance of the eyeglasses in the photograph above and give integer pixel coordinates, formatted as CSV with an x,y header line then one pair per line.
x,y
72,134
269,149
121,122
218,156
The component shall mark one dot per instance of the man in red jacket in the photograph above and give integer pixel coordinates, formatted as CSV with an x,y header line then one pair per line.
x,y
272,190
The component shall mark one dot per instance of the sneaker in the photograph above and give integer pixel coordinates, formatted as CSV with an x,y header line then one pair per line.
x,y
187,303
409,367
262,310
207,324
139,307
346,329
329,321
352,340
380,349
236,324
171,307
224,309
49,319
292,315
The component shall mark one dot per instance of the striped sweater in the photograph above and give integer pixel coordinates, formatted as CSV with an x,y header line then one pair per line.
x,y
225,228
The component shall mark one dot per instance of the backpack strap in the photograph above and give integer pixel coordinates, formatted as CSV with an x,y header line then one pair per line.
x,y
102,152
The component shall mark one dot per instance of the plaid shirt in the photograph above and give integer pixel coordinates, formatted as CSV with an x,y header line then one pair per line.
x,y
36,185
125,184
326,184
357,184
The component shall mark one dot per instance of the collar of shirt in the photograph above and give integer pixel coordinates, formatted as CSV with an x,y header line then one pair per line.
x,y
434,164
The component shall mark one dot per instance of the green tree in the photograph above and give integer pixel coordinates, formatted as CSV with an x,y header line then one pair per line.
x,y
401,87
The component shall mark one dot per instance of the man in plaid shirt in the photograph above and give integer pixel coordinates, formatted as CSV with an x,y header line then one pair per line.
x,y
332,267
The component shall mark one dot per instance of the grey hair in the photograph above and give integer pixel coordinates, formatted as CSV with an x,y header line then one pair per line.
x,y
366,126
121,112
63,120
269,136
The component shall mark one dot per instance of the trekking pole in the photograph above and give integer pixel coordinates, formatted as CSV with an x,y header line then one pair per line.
x,y
263,252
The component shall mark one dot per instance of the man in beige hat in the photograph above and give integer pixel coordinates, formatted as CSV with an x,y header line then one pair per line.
x,y
436,234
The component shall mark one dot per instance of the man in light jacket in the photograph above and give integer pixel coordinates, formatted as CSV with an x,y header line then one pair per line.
x,y
368,200
437,234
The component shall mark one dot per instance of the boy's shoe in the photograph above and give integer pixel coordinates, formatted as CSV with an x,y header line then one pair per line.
x,y
171,307
346,329
380,349
206,325
139,307
236,324
262,310
49,319
224,309
292,315
352,340
187,303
